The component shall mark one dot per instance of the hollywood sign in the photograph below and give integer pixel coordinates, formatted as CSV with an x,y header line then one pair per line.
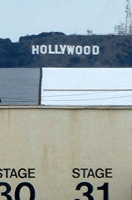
x,y
65,49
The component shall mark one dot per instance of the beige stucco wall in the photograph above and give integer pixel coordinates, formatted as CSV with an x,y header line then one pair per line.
x,y
54,141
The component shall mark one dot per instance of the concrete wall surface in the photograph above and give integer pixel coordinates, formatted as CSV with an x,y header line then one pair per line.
x,y
65,153
19,86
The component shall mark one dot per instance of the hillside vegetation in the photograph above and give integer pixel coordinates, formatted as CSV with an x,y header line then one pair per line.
x,y
115,51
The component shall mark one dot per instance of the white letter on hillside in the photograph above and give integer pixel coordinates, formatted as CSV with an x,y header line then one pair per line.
x,y
35,49
78,50
50,50
70,49
95,50
87,50
56,50
63,48
43,49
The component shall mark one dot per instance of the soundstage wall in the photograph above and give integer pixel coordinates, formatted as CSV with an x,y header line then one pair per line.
x,y
67,153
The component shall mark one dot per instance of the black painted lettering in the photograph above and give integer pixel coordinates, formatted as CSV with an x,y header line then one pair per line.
x,y
91,173
99,173
29,186
8,189
76,172
108,173
87,194
31,173
13,173
84,170
6,169
1,175
22,173
106,191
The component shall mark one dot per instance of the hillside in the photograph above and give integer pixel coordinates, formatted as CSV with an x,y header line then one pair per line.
x,y
115,51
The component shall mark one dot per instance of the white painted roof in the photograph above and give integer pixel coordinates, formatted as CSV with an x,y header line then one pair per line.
x,y
87,79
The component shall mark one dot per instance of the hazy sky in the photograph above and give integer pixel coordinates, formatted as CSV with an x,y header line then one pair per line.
x,y
27,17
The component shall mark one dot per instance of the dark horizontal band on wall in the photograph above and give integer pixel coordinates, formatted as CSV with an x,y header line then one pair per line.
x,y
70,107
